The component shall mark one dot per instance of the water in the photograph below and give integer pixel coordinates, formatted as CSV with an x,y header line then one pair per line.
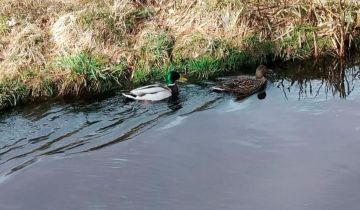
x,y
295,149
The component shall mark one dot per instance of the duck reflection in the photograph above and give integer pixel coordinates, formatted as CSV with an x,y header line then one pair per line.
x,y
261,95
174,103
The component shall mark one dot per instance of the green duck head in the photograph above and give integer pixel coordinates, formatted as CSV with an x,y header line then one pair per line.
x,y
261,71
174,76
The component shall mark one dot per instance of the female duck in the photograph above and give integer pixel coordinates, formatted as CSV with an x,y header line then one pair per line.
x,y
157,92
244,86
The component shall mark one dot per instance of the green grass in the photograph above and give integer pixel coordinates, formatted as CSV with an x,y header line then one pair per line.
x,y
154,57
259,50
12,92
156,49
4,28
207,67
82,64
89,74
142,74
204,67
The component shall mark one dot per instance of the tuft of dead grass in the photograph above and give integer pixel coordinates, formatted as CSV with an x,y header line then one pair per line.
x,y
27,48
69,37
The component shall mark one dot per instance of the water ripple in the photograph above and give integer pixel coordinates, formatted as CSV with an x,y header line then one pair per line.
x,y
50,129
54,129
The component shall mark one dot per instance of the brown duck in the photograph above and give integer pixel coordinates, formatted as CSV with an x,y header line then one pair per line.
x,y
244,86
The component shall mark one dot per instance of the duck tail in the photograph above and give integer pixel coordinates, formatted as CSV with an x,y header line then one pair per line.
x,y
129,96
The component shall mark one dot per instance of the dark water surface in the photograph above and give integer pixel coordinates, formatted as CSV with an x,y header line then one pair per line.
x,y
299,148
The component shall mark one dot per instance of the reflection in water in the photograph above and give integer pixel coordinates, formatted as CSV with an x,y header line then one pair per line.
x,y
261,95
325,78
174,102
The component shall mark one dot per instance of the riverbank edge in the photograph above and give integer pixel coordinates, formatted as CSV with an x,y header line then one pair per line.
x,y
20,91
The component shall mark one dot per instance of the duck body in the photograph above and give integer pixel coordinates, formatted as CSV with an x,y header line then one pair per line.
x,y
157,92
244,86
154,92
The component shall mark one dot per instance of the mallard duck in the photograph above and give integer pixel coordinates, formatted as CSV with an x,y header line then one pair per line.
x,y
157,92
244,86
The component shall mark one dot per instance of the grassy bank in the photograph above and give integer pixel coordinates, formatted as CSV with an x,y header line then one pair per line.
x,y
56,48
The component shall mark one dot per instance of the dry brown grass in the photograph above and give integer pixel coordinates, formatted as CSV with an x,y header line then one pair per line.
x,y
276,20
26,48
115,27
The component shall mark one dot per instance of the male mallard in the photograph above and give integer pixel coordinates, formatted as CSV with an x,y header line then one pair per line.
x,y
157,92
244,86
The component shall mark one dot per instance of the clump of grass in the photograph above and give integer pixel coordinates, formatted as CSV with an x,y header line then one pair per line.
x,y
27,48
135,17
207,66
259,50
38,12
156,48
12,92
238,59
85,73
154,52
4,28
140,75
102,24
69,37
82,64
197,45
37,82
204,67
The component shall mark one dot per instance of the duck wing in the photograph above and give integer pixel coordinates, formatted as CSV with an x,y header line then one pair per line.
x,y
242,85
154,92
156,96
149,89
